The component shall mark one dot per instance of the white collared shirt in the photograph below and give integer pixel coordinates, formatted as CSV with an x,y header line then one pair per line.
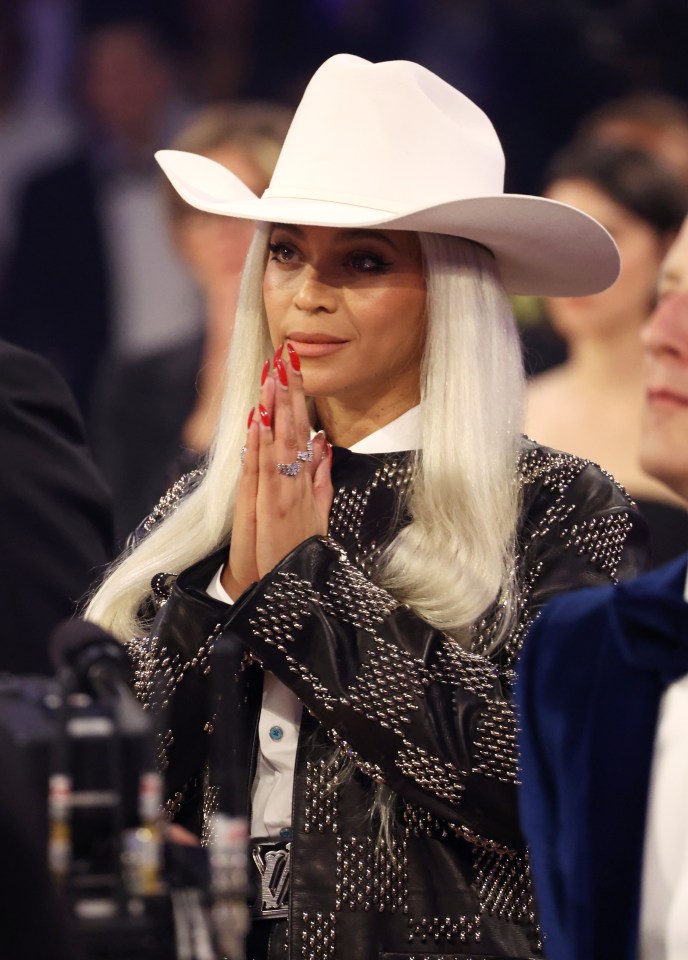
x,y
664,903
280,714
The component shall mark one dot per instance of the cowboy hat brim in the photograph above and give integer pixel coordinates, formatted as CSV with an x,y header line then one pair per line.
x,y
543,247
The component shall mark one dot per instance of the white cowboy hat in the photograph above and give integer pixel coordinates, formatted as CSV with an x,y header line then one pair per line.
x,y
392,145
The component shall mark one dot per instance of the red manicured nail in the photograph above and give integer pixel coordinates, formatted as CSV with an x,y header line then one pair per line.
x,y
278,354
266,371
264,415
250,417
329,450
282,373
293,358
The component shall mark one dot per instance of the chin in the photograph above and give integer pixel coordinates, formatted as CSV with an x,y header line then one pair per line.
x,y
662,462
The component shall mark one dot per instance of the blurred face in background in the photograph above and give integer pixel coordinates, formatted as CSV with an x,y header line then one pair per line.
x,y
664,447
127,80
213,246
631,298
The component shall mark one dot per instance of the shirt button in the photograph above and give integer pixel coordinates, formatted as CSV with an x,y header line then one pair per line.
x,y
276,733
285,833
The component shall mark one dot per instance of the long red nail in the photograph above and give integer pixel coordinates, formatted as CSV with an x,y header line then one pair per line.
x,y
329,450
266,371
250,417
264,416
282,373
293,358
278,354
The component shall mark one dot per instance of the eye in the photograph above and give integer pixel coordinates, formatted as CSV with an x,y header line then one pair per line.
x,y
367,262
281,252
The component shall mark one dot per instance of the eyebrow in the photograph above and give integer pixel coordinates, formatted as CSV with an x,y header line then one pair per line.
x,y
343,234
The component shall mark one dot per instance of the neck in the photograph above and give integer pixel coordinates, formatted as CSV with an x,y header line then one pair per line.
x,y
346,423
610,363
220,304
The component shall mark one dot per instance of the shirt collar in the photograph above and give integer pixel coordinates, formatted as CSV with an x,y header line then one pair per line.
x,y
401,434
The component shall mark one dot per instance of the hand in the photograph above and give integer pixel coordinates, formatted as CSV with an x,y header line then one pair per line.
x,y
275,512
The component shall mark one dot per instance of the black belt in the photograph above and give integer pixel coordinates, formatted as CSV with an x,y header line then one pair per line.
x,y
273,862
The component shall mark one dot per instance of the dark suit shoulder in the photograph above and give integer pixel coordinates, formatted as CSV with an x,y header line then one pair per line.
x,y
55,510
28,375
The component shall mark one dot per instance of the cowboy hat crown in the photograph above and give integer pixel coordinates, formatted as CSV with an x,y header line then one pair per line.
x,y
393,145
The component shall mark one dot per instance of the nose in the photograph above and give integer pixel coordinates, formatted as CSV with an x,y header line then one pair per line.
x,y
666,331
313,294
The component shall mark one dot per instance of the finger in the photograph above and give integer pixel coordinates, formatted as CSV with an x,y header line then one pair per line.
x,y
323,491
285,430
299,405
292,365
242,551
319,449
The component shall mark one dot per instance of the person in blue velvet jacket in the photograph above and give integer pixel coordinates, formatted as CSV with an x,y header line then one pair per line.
x,y
603,701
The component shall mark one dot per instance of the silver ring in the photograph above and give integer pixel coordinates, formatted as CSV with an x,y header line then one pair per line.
x,y
242,454
289,469
306,455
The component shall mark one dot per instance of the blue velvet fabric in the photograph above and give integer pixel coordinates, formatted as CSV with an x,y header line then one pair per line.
x,y
590,679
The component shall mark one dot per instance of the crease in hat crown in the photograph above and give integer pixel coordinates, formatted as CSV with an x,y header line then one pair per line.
x,y
391,145
388,136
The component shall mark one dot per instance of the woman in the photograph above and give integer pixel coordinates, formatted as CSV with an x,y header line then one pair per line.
x,y
592,403
386,588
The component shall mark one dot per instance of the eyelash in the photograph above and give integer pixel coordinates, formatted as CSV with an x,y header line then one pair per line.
x,y
379,264
276,248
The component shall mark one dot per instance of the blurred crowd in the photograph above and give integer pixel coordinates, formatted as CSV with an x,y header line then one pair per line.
x,y
130,294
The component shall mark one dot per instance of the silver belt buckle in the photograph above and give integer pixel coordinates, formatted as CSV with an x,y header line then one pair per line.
x,y
274,868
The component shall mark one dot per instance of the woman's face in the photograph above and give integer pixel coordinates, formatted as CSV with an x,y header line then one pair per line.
x,y
630,299
352,303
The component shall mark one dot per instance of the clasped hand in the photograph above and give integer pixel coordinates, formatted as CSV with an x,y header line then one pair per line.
x,y
275,509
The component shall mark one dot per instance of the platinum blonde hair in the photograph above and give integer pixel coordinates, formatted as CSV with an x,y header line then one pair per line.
x,y
457,554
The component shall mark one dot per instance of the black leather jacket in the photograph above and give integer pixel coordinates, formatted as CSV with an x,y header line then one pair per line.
x,y
390,701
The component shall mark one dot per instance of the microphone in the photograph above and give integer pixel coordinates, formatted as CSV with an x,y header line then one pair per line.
x,y
115,735
97,662
93,662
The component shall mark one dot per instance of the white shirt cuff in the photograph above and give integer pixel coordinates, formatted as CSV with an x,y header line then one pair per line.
x,y
216,590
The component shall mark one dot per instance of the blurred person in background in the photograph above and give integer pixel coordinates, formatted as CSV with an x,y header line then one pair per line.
x,y
34,130
591,405
654,122
158,413
92,273
603,701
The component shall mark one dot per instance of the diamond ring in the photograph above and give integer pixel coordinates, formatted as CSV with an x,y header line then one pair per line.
x,y
306,455
289,469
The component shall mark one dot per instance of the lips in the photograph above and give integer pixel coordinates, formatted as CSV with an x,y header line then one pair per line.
x,y
309,345
298,337
662,396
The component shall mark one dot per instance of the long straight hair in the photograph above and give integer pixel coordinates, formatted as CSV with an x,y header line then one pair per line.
x,y
456,555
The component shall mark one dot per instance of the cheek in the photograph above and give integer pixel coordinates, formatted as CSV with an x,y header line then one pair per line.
x,y
393,312
640,267
273,296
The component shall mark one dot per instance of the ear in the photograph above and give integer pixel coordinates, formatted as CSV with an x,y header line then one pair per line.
x,y
202,182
